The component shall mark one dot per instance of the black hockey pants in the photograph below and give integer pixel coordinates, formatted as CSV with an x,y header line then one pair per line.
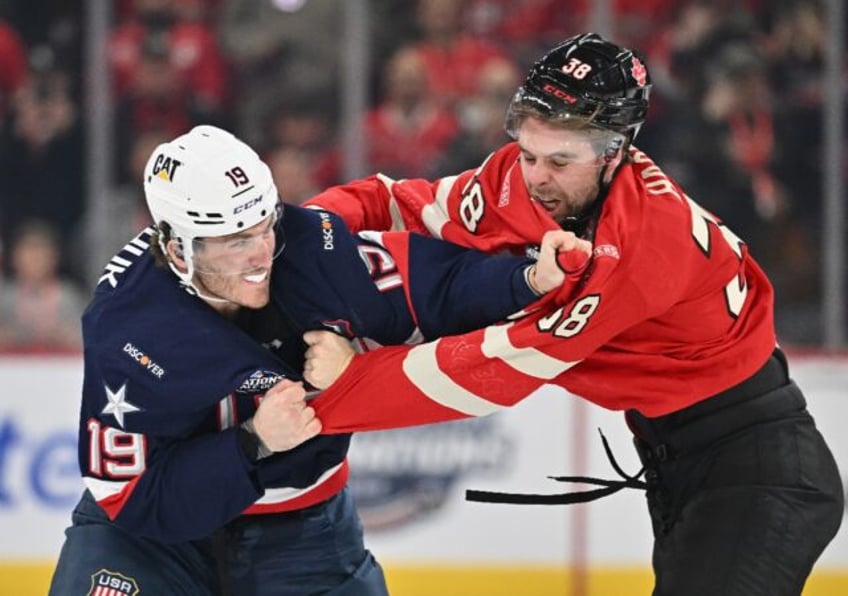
x,y
743,492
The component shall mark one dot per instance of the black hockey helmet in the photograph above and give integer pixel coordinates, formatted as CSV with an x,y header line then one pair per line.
x,y
588,80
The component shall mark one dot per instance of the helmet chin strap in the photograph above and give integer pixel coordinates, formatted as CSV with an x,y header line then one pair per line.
x,y
582,224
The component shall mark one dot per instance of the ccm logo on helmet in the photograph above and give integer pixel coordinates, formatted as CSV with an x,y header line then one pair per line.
x,y
165,167
559,93
248,205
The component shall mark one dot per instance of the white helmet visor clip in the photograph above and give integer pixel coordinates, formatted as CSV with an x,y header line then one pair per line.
x,y
241,253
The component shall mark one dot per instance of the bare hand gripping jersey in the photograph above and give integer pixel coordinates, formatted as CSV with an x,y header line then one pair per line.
x,y
167,379
672,310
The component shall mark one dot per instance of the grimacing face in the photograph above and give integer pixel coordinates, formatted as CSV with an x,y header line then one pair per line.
x,y
237,267
560,167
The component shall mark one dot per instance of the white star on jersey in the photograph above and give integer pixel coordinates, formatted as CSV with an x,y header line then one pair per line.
x,y
118,404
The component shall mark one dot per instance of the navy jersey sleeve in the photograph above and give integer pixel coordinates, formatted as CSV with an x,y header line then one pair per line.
x,y
452,289
327,279
392,286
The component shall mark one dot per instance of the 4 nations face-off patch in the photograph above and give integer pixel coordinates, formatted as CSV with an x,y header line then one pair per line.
x,y
111,583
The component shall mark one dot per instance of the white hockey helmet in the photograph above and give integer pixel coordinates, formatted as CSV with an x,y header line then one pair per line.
x,y
204,184
208,183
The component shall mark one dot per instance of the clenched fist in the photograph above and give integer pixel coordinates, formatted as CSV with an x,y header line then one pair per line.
x,y
327,357
561,253
283,420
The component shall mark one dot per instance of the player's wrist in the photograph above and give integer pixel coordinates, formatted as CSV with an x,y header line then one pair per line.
x,y
251,443
530,279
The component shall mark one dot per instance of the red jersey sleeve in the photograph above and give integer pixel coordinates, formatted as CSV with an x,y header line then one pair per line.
x,y
472,374
365,204
487,208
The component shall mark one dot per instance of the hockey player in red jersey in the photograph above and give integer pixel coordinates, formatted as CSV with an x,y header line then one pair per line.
x,y
672,323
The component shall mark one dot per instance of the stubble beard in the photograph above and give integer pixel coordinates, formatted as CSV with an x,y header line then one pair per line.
x,y
235,290
572,204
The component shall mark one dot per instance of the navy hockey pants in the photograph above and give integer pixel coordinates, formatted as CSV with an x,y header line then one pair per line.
x,y
743,492
318,550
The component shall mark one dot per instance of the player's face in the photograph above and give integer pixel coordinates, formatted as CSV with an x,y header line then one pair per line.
x,y
238,267
560,167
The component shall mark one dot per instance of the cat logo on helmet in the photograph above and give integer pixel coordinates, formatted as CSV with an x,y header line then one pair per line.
x,y
165,167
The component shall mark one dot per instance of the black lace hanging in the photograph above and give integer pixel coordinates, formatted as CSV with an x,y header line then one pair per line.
x,y
608,487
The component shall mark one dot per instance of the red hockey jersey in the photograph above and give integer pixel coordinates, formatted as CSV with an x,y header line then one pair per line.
x,y
672,309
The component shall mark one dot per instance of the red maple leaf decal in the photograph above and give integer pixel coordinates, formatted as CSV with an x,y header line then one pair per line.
x,y
639,72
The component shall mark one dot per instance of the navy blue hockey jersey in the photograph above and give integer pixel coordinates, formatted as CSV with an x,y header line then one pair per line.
x,y
167,379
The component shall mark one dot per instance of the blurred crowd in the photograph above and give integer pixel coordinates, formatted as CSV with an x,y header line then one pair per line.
x,y
736,116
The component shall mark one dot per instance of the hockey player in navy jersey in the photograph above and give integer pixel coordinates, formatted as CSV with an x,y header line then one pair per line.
x,y
190,474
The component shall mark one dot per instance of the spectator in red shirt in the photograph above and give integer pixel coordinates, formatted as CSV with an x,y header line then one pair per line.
x,y
190,47
451,58
481,117
409,130
406,133
527,27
